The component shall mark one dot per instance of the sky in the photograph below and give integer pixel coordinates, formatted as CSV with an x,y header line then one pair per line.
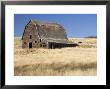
x,y
76,25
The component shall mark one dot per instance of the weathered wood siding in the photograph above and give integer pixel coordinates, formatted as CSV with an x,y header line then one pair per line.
x,y
30,36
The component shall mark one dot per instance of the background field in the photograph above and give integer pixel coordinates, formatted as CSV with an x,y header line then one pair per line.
x,y
70,61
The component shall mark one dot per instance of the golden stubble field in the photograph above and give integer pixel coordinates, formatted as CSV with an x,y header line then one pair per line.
x,y
70,61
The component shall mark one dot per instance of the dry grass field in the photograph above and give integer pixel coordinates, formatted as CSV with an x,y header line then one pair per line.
x,y
70,61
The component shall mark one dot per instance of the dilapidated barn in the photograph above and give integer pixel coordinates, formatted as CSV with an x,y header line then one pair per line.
x,y
48,35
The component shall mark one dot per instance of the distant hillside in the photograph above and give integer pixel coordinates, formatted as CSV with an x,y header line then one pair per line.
x,y
91,37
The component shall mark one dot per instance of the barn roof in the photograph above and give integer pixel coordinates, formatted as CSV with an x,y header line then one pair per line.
x,y
51,32
43,23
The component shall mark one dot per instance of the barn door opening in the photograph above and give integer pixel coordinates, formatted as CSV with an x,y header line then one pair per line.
x,y
30,45
52,46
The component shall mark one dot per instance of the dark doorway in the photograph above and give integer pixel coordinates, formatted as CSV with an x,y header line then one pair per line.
x,y
30,45
51,45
